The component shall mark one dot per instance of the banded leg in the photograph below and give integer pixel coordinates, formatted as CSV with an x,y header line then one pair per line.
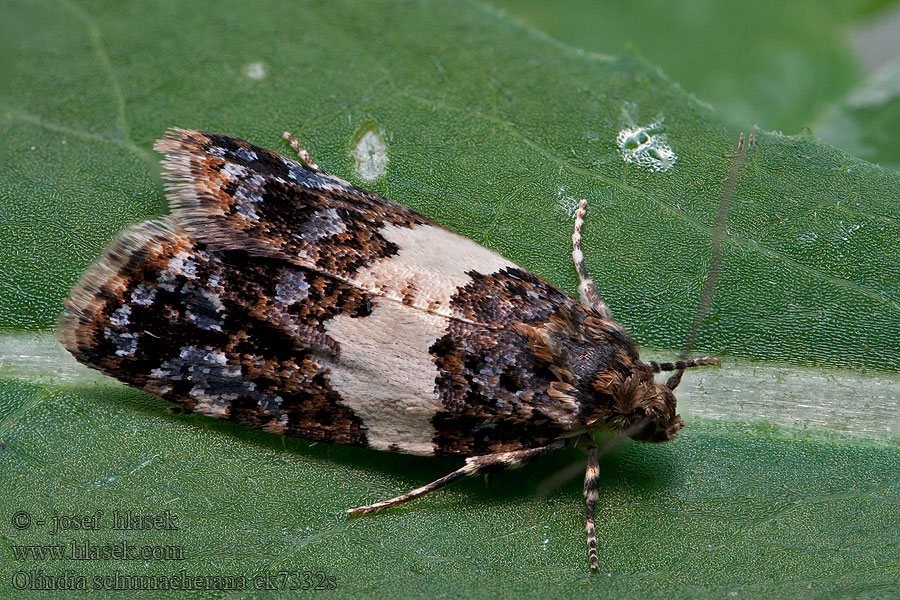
x,y
586,289
681,365
473,466
591,495
303,154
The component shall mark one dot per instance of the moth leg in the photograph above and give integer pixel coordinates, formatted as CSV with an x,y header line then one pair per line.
x,y
590,297
303,154
473,466
591,495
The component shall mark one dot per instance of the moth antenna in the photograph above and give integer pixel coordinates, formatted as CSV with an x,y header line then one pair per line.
x,y
716,247
303,154
591,495
590,297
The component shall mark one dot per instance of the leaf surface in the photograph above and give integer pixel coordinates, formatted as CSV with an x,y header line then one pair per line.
x,y
786,479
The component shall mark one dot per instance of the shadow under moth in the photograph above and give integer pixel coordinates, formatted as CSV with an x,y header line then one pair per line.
x,y
286,299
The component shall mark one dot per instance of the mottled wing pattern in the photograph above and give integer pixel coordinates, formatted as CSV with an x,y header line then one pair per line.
x,y
223,333
286,299
233,195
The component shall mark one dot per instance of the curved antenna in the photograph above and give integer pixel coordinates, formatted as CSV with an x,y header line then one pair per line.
x,y
716,266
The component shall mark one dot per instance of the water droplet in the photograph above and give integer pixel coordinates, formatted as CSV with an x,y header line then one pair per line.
x,y
256,70
646,147
370,154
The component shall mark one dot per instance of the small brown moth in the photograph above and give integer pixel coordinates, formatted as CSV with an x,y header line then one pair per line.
x,y
286,299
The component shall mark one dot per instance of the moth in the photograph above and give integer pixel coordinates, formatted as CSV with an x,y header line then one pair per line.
x,y
283,298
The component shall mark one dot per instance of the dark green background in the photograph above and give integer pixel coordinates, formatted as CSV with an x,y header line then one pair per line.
x,y
494,129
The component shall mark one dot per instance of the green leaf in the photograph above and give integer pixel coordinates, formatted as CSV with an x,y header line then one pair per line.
x,y
784,484
867,121
785,481
773,64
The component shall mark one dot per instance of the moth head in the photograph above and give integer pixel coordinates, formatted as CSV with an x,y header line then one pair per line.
x,y
644,409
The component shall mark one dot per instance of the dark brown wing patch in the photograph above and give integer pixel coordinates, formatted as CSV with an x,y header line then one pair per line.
x,y
228,334
493,388
231,194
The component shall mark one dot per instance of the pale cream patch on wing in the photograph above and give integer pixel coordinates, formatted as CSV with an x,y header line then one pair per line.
x,y
385,373
429,268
